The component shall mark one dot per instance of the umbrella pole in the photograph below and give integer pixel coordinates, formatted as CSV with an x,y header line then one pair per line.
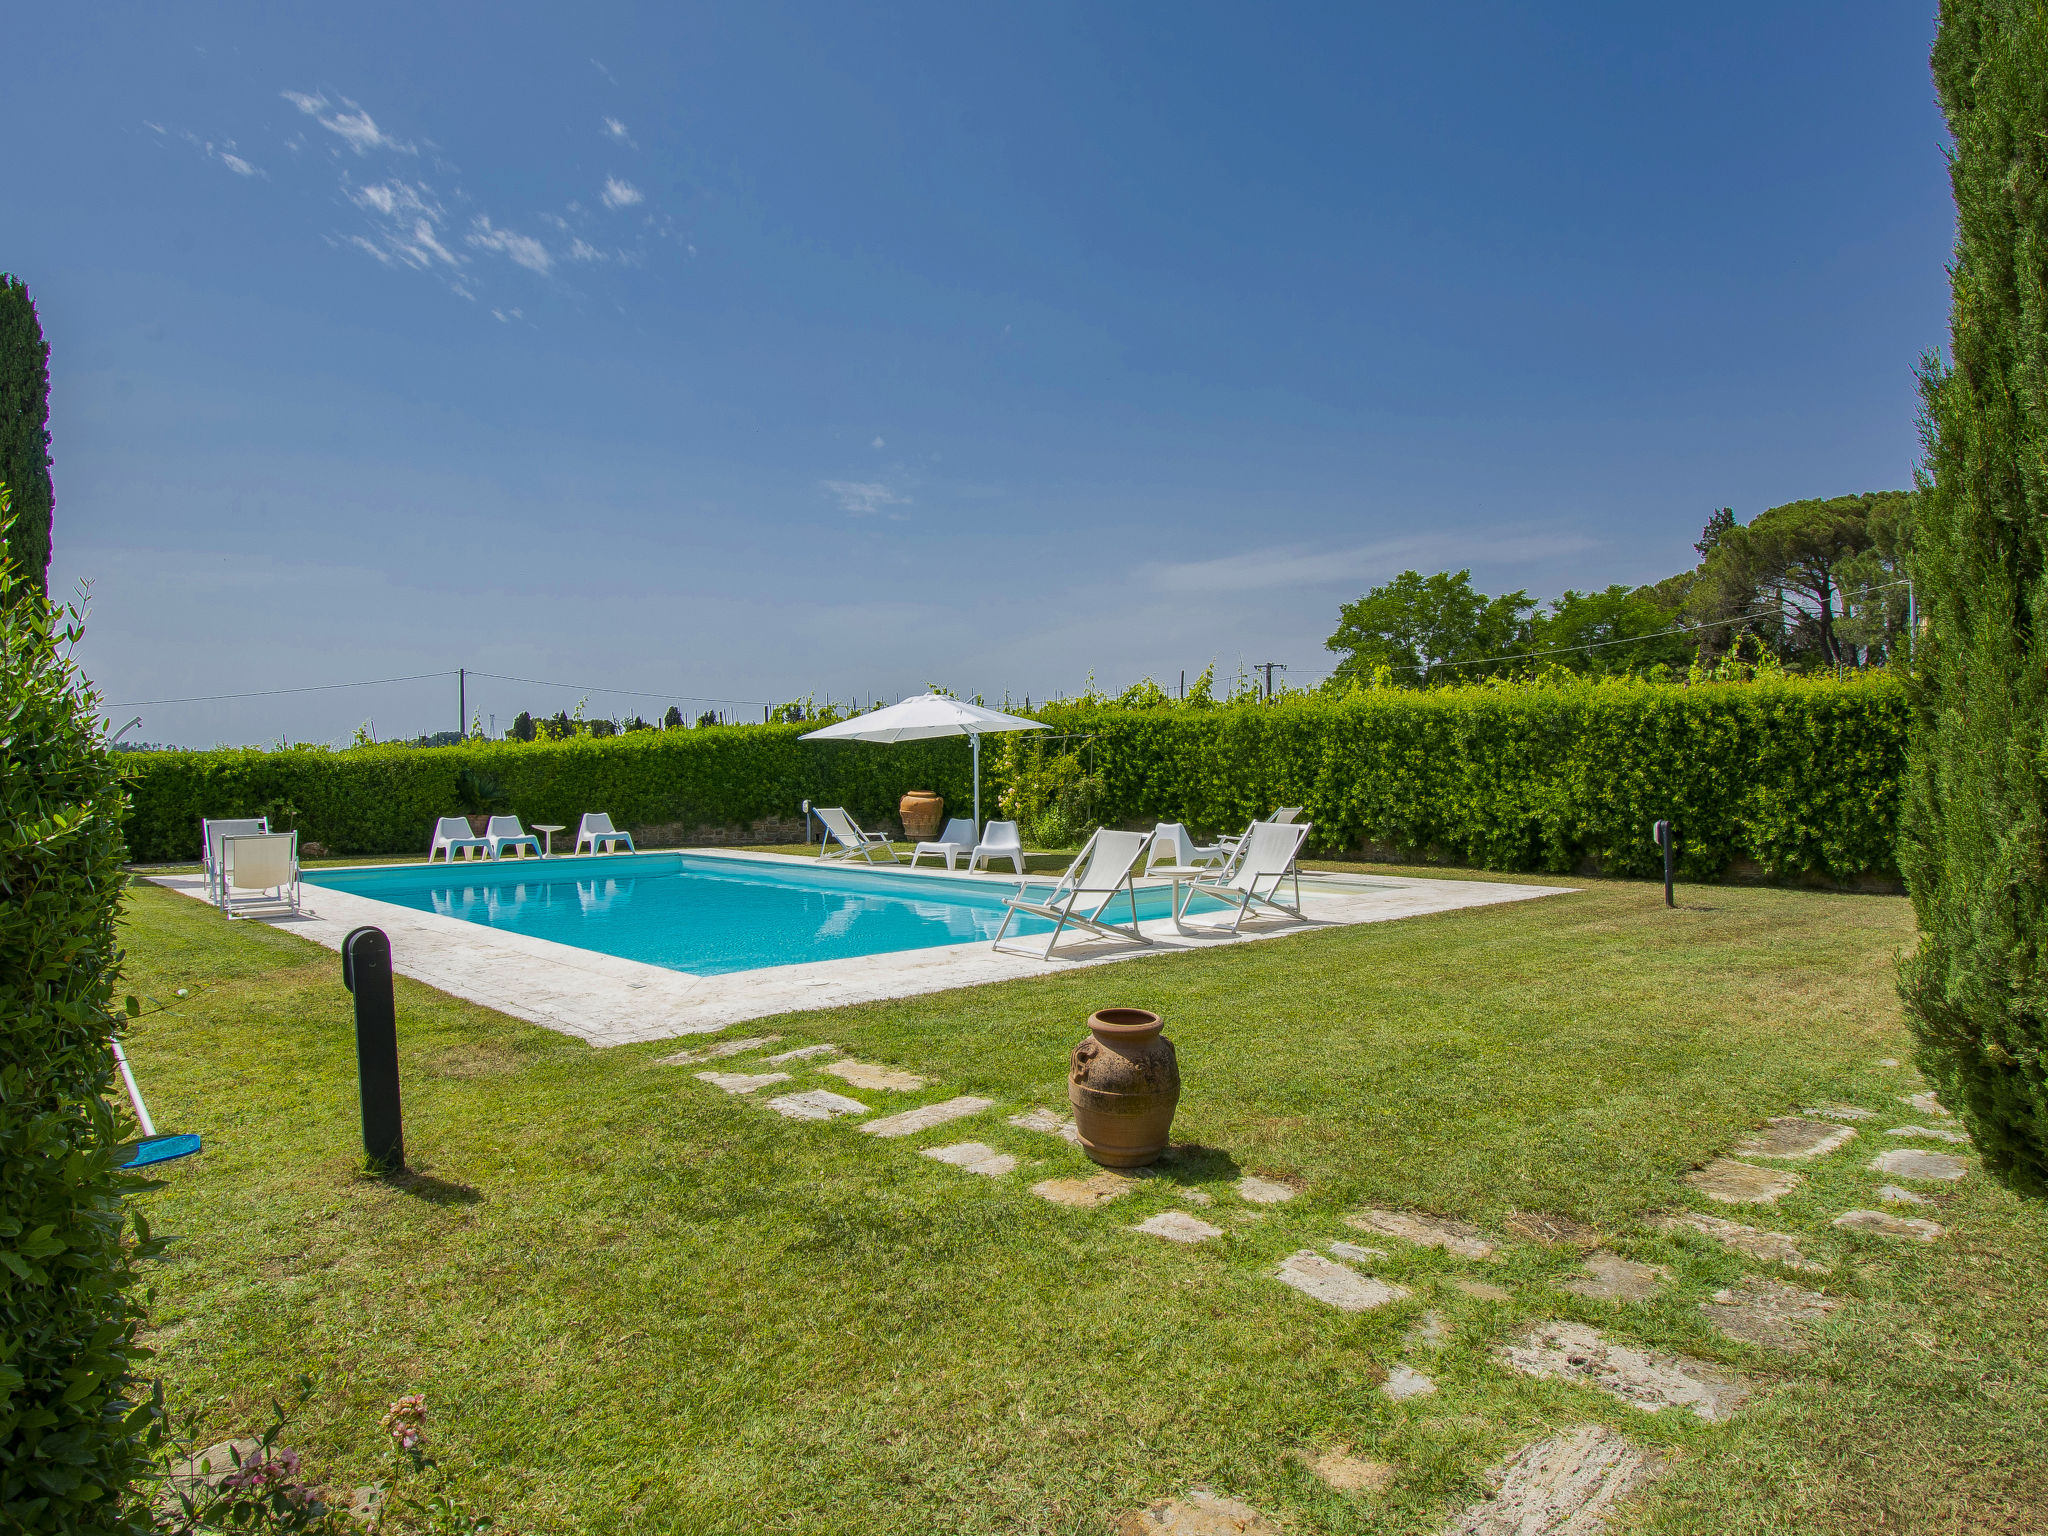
x,y
974,741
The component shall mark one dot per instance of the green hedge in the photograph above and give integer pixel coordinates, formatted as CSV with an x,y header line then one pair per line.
x,y
1793,776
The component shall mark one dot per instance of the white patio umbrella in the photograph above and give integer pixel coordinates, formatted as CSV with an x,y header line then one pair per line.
x,y
932,714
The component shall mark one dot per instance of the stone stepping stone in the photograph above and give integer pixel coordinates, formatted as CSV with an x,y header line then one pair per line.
x,y
1894,1194
1887,1061
1734,1183
1767,1312
1194,1196
1425,1231
1479,1290
1912,1163
818,1104
1334,1284
1535,1227
1770,1247
974,1157
866,1074
1201,1513
802,1053
1404,1382
1348,1473
1564,1486
1178,1227
1430,1331
1789,1136
1610,1277
1886,1225
717,1052
1264,1191
1052,1124
1645,1378
739,1082
1356,1252
1938,1133
1841,1112
1926,1103
911,1121
1085,1194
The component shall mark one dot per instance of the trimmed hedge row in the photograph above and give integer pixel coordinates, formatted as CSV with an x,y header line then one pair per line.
x,y
1793,776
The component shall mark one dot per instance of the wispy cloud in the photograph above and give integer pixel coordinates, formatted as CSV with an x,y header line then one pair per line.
x,y
522,249
237,164
621,194
1299,566
355,127
616,131
581,249
223,152
864,498
406,221
877,443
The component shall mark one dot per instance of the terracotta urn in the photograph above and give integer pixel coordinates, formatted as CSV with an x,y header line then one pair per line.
x,y
921,810
1123,1084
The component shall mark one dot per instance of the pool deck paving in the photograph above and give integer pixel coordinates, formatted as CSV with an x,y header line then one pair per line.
x,y
605,1000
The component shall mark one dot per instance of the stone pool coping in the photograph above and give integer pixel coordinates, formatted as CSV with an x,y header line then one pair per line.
x,y
604,1000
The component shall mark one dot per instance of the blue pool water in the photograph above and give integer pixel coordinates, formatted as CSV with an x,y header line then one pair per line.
x,y
710,915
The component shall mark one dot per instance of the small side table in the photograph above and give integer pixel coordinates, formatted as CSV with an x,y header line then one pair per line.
x,y
1192,874
548,832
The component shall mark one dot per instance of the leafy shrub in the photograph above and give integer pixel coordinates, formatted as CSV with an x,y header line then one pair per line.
x,y
522,727
478,794
70,1440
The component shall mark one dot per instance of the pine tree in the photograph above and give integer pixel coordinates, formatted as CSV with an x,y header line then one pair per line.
x,y
1974,843
25,432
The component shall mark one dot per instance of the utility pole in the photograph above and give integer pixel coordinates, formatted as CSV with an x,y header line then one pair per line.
x,y
1269,667
462,703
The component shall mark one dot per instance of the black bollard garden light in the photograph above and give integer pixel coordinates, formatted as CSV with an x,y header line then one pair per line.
x,y
1660,834
366,972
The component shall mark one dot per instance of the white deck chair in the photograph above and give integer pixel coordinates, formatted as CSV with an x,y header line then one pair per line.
x,y
1000,840
453,838
956,842
210,834
1281,818
1099,874
1265,858
843,830
263,863
503,832
1172,845
597,830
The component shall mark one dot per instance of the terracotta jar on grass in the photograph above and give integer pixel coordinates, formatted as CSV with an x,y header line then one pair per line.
x,y
1124,1084
921,810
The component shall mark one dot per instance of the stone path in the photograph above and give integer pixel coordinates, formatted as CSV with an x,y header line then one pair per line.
x,y
1178,1227
1886,1225
975,1157
1085,1194
1348,1473
1045,1120
802,1053
1534,1227
1770,1247
923,1119
1404,1382
720,1051
1734,1183
1937,1133
818,1104
1645,1378
1425,1231
1356,1252
1335,1284
1912,1163
1479,1290
1610,1277
1201,1513
739,1082
1791,1136
1894,1194
1841,1112
1767,1312
866,1074
1926,1103
1566,1485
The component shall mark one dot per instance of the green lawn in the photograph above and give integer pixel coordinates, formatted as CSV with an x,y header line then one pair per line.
x,y
636,1304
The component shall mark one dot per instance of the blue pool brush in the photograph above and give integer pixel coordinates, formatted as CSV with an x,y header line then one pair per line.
x,y
152,1148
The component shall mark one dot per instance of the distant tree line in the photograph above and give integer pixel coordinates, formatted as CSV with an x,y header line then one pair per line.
x,y
1808,586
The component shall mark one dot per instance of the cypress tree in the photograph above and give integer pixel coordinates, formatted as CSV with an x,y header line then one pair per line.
x,y
1974,840
25,432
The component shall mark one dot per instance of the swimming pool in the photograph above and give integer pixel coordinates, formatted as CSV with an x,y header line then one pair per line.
x,y
709,915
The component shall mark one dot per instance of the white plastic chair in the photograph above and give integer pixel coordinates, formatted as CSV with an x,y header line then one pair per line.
x,y
1172,845
453,837
210,834
1000,840
1265,857
843,830
503,832
597,830
265,863
957,841
1099,874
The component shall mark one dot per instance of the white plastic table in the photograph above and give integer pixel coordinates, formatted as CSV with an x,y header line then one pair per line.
x,y
1191,874
548,833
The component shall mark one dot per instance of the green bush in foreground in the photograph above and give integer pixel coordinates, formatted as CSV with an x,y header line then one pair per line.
x,y
1975,849
70,1441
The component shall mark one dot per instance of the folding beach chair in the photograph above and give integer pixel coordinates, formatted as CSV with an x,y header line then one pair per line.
x,y
1099,874
842,830
1265,857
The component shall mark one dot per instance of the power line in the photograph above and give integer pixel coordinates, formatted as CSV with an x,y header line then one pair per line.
x,y
269,693
625,693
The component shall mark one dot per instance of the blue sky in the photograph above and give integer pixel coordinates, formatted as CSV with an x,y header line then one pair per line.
x,y
745,352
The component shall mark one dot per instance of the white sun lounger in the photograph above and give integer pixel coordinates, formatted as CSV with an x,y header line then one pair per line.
x,y
1280,818
957,841
1001,840
210,834
453,838
266,864
1172,845
1264,858
504,832
597,830
1099,874
843,830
